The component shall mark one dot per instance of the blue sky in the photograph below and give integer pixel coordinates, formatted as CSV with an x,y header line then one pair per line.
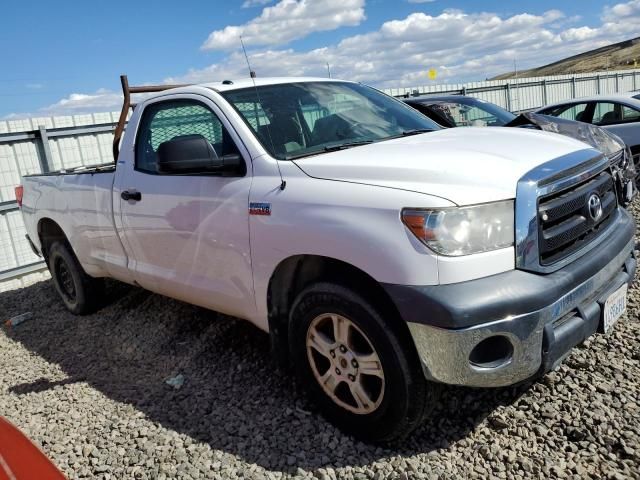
x,y
61,57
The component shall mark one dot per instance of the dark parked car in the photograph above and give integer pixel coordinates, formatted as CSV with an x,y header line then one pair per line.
x,y
461,111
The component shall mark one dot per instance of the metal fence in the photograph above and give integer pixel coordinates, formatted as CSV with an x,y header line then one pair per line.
x,y
530,93
39,145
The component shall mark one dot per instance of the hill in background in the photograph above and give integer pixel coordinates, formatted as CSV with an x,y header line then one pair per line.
x,y
618,56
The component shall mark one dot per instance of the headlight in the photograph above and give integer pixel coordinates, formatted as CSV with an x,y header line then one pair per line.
x,y
463,230
624,171
628,167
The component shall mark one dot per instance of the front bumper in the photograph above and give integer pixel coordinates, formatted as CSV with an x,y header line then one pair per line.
x,y
541,316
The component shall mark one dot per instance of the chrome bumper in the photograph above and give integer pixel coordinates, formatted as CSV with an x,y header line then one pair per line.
x,y
539,339
445,353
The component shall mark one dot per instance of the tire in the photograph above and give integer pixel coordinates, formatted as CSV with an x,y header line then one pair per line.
x,y
80,293
392,406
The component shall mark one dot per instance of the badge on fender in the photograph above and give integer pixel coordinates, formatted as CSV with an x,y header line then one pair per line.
x,y
257,208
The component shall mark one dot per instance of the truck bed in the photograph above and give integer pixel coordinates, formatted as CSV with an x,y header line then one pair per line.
x,y
80,202
109,168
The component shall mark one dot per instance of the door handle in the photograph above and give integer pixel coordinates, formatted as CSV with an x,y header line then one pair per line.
x,y
133,195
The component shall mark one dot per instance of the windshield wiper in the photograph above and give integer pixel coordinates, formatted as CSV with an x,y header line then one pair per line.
x,y
416,131
408,133
328,148
344,146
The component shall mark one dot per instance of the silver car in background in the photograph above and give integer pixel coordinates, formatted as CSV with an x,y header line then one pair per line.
x,y
619,114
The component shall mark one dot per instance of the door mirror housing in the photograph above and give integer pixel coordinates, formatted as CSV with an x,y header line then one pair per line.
x,y
195,154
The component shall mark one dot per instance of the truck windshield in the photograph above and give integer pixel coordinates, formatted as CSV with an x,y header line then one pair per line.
x,y
295,120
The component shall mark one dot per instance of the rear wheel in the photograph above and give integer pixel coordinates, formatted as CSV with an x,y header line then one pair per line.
x,y
363,374
80,293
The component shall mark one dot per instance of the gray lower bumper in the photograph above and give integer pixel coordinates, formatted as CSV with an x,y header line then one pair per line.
x,y
539,338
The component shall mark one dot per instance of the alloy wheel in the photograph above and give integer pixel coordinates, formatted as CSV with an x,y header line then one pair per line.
x,y
345,363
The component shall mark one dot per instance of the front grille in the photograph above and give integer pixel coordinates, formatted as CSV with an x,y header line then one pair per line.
x,y
564,218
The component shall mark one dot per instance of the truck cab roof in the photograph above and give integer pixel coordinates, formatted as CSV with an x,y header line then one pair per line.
x,y
236,84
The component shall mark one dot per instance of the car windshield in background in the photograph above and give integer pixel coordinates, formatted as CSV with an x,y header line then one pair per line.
x,y
294,120
471,113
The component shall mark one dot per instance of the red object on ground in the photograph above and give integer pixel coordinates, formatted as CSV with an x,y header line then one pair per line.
x,y
21,459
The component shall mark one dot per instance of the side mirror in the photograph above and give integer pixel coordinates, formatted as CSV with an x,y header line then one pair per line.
x,y
194,154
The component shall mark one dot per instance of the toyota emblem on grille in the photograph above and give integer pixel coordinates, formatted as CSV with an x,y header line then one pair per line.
x,y
594,204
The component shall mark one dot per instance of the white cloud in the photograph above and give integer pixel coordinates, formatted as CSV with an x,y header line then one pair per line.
x,y
286,21
255,3
100,101
458,44
461,46
579,34
621,11
15,116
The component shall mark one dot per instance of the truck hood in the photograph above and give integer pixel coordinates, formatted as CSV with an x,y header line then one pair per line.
x,y
463,165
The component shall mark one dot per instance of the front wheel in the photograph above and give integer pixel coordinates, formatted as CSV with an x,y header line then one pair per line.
x,y
364,375
80,293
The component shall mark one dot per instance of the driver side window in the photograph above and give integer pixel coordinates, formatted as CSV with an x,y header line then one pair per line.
x,y
166,121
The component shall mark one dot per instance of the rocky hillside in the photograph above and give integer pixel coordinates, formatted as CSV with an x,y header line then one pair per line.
x,y
618,56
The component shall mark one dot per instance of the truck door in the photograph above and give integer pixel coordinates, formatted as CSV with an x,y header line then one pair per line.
x,y
187,236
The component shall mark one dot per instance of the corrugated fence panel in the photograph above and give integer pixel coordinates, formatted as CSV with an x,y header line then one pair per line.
x,y
69,150
585,87
9,175
22,151
8,258
558,92
23,253
607,85
56,159
27,158
499,97
105,147
525,97
626,84
531,93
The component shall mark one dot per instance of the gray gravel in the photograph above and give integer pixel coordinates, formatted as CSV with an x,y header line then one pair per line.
x,y
91,391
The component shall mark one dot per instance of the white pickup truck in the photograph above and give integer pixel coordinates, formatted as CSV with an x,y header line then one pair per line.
x,y
383,255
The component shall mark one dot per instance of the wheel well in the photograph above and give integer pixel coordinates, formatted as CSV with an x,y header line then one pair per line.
x,y
49,232
296,273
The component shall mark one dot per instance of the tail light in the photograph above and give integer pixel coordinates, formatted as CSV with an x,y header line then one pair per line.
x,y
19,193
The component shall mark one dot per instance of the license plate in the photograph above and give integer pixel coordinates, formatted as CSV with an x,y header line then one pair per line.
x,y
614,307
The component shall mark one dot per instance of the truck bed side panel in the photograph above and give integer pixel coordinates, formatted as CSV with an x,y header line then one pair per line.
x,y
82,206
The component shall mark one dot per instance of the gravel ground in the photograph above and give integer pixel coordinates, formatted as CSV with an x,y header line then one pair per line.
x,y
91,391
